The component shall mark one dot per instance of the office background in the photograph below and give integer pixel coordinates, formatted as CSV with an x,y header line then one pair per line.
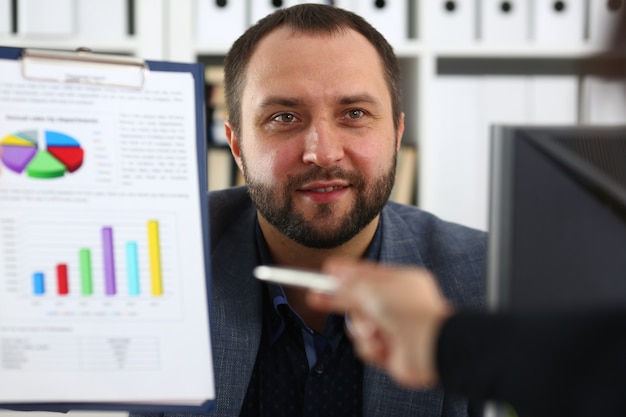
x,y
466,64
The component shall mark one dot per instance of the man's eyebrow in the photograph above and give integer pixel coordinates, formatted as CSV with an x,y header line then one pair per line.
x,y
281,101
295,102
359,98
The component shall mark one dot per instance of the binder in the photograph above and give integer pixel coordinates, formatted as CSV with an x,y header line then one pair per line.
x,y
451,22
503,100
504,21
220,21
603,101
221,164
465,108
5,16
453,149
390,17
261,8
104,270
405,185
102,19
558,22
553,99
603,19
45,17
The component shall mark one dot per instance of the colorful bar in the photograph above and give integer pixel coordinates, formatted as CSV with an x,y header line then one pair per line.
x,y
109,261
86,282
154,246
62,281
132,268
38,283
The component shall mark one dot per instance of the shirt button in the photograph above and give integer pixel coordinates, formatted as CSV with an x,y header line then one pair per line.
x,y
319,370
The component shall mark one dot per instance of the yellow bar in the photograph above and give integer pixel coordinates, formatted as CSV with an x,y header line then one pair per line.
x,y
154,246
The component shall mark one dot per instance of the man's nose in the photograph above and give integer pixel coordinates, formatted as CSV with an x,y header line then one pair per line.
x,y
323,145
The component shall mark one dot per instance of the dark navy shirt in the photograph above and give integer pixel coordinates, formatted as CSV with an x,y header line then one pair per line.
x,y
298,371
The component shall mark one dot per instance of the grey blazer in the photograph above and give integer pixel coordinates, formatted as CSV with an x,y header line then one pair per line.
x,y
454,253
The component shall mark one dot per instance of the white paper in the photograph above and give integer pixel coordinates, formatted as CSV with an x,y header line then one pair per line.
x,y
139,163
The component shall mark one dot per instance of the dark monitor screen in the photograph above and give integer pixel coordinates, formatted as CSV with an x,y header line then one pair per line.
x,y
557,232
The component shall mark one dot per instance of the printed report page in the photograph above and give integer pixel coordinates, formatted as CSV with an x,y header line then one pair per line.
x,y
103,290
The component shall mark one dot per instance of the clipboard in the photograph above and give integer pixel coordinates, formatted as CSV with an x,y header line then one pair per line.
x,y
105,281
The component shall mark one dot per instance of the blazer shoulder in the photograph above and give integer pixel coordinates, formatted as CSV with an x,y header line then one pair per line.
x,y
456,254
429,232
226,207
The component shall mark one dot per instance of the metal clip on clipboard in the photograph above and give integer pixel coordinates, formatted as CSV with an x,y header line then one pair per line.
x,y
84,67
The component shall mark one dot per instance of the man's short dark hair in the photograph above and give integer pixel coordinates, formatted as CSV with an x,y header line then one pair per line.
x,y
305,18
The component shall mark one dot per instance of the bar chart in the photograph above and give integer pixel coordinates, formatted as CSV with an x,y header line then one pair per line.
x,y
110,266
86,267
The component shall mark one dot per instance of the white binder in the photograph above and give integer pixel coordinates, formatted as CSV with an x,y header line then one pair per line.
x,y
390,17
450,22
558,22
102,19
503,100
603,101
603,18
220,21
5,16
452,151
504,21
343,4
261,8
45,17
553,99
465,107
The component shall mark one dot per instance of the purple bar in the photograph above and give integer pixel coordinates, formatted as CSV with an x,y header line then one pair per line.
x,y
109,261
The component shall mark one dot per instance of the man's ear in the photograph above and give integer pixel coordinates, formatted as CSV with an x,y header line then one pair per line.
x,y
233,143
400,131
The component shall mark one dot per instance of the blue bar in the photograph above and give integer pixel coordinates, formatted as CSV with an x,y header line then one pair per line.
x,y
132,268
38,283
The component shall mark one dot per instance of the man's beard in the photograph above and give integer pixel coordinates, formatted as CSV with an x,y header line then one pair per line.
x,y
276,206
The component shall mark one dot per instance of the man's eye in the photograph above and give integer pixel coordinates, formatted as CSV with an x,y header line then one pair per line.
x,y
355,114
285,118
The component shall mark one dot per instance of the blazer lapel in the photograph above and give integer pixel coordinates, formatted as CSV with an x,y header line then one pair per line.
x,y
236,314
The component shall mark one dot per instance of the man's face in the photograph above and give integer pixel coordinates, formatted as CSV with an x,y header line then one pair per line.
x,y
318,143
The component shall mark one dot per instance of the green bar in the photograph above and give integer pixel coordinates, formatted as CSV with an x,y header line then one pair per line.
x,y
86,286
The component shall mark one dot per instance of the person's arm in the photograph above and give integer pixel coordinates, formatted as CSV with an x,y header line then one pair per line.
x,y
559,364
394,316
570,364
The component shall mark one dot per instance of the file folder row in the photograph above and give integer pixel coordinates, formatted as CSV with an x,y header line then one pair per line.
x,y
464,108
559,22
564,22
222,21
93,19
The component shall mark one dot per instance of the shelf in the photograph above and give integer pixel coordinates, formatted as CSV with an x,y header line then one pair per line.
x,y
514,51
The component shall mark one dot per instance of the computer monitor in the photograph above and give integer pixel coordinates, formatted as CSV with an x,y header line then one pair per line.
x,y
557,229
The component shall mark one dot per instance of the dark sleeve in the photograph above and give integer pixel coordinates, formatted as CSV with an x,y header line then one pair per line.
x,y
566,364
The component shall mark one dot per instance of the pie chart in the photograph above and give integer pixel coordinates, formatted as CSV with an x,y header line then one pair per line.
x,y
22,152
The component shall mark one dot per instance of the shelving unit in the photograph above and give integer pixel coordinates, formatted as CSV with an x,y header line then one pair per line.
x,y
167,30
145,42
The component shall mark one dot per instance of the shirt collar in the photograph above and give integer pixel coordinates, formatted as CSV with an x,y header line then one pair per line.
x,y
276,320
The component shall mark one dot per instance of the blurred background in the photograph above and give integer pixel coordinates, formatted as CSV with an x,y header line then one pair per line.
x,y
466,65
